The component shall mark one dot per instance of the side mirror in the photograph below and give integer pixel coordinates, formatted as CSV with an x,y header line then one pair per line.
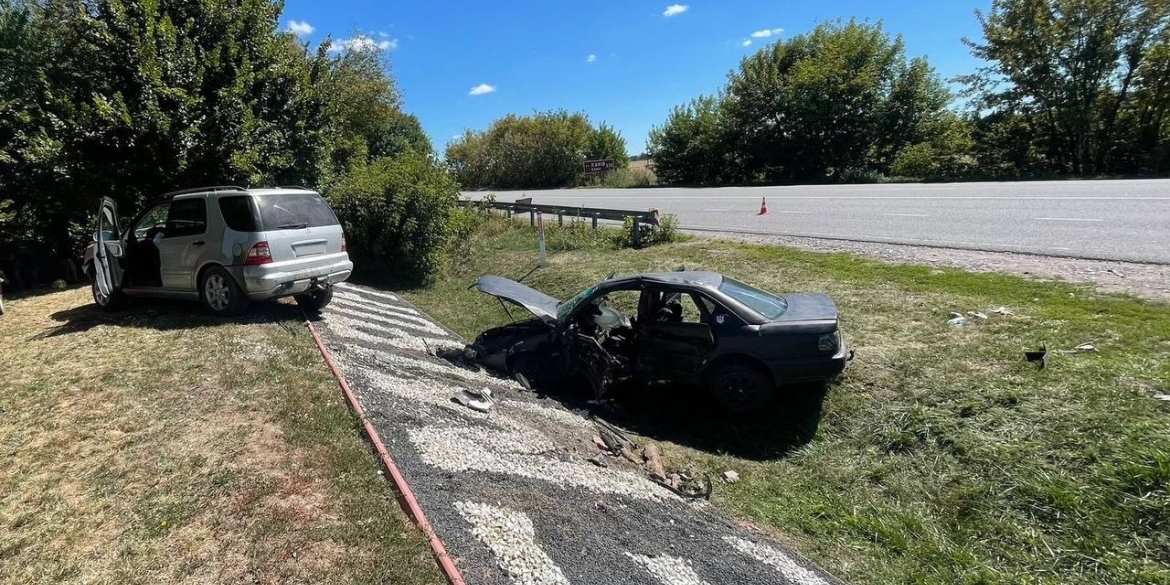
x,y
96,236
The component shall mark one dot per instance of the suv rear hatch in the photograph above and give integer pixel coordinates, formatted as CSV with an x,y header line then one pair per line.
x,y
299,226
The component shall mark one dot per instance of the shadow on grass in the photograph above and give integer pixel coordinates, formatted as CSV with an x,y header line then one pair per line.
x,y
685,416
167,315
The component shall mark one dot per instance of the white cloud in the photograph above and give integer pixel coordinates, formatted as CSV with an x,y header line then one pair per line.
x,y
363,43
300,28
591,58
674,10
482,89
746,43
763,34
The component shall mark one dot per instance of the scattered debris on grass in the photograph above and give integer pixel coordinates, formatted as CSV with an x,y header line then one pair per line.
x,y
977,315
730,476
957,321
1039,357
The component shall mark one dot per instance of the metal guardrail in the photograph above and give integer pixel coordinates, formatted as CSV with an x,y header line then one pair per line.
x,y
594,213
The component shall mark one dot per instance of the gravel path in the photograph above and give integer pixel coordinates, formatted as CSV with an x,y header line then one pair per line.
x,y
1148,281
511,492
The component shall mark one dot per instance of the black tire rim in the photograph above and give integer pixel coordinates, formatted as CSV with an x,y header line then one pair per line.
x,y
740,390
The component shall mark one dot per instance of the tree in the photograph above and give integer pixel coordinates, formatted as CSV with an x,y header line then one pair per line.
x,y
819,106
691,147
544,150
1075,70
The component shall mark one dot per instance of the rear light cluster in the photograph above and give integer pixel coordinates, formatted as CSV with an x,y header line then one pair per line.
x,y
259,254
830,342
343,249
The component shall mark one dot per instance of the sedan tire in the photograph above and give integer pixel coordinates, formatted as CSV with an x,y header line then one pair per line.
x,y
741,389
220,293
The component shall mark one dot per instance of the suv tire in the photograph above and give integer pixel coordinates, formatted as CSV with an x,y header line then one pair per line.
x,y
314,302
220,293
741,389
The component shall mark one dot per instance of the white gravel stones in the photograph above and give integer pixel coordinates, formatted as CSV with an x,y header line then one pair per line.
x,y
512,540
525,454
365,291
669,570
386,318
373,305
775,558
380,334
396,362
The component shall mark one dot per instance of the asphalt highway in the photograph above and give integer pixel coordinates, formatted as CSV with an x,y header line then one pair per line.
x,y
1105,220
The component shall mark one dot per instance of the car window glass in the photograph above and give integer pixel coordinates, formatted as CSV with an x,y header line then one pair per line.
x,y
766,304
187,217
294,211
156,217
238,213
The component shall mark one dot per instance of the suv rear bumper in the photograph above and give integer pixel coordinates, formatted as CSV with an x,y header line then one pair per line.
x,y
269,281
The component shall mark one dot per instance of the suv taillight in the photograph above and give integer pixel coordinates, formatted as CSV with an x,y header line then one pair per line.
x,y
343,243
259,254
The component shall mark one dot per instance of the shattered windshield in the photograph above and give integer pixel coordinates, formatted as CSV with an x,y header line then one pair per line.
x,y
566,308
766,304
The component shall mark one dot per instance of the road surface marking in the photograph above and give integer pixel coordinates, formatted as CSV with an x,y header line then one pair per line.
x,y
906,214
512,539
669,570
775,558
1065,219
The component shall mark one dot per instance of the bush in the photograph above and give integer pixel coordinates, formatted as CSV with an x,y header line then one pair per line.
x,y
397,216
623,179
665,233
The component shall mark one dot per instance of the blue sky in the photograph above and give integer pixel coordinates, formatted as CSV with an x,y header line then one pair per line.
x,y
528,55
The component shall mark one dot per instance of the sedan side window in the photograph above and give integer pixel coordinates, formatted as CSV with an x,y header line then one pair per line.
x,y
188,217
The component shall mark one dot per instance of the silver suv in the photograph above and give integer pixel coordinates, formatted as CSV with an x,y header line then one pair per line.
x,y
223,245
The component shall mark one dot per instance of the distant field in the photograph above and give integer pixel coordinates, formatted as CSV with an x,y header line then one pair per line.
x,y
639,164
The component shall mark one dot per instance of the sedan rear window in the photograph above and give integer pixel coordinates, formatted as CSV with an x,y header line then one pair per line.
x,y
768,305
294,211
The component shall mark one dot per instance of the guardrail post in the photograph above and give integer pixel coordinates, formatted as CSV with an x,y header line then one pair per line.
x,y
532,217
560,218
637,233
509,210
594,222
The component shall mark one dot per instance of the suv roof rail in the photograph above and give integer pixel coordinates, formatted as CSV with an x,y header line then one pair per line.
x,y
205,190
293,187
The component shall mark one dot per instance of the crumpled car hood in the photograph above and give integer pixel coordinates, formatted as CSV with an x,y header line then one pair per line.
x,y
536,302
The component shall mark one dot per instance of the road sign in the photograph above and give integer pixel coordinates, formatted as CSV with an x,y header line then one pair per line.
x,y
597,167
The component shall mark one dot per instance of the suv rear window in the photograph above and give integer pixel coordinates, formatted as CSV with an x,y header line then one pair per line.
x,y
238,213
294,211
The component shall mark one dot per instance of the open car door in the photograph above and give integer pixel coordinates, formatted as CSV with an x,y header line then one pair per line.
x,y
108,253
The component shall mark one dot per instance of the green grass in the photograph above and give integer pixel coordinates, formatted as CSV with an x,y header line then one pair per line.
x,y
159,444
940,456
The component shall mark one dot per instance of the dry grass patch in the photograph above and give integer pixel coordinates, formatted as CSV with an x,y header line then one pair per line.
x,y
162,445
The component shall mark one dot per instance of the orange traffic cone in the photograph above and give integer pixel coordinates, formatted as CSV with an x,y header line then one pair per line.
x,y
764,207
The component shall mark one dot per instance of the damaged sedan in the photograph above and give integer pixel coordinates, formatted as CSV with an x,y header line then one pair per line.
x,y
694,328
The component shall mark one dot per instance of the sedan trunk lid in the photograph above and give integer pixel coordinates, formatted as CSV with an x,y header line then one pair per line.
x,y
806,313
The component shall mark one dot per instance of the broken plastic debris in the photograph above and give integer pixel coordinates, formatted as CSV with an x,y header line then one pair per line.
x,y
956,315
1004,311
1087,347
1162,397
480,400
977,315
1039,357
730,476
957,321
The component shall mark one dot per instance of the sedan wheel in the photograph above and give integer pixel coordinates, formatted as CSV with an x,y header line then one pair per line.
x,y
741,389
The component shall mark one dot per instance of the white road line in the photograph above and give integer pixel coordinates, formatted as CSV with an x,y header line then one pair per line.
x,y
366,291
905,215
512,539
775,558
1065,219
669,570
